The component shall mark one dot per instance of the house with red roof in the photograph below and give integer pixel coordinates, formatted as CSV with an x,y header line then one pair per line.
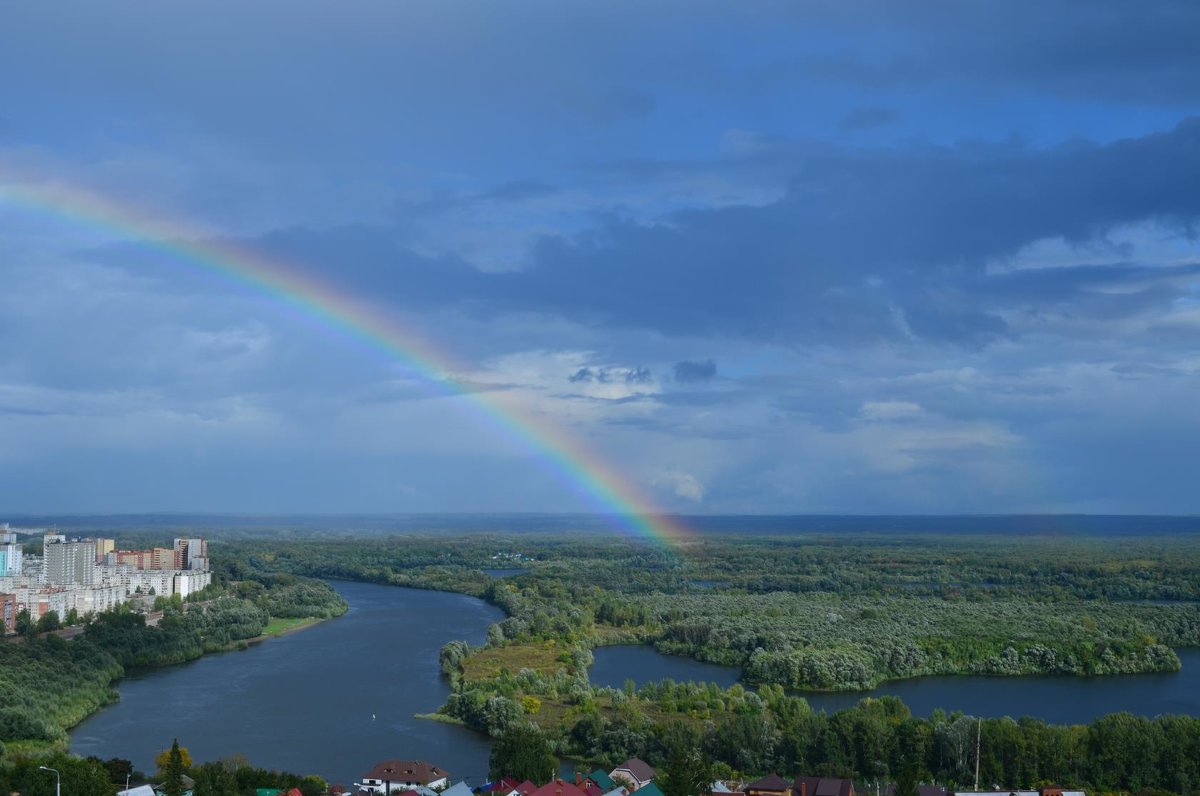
x,y
391,776
559,787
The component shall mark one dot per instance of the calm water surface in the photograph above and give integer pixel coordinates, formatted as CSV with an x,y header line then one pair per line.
x,y
304,702
504,573
1065,700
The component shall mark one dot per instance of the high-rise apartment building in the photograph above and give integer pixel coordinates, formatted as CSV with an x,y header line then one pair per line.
x,y
10,554
70,562
193,553
164,558
104,547
8,613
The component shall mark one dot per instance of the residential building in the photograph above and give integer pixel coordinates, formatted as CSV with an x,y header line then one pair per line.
x,y
10,553
165,558
104,547
822,786
398,775
601,780
193,553
558,787
770,785
458,789
8,613
634,771
69,562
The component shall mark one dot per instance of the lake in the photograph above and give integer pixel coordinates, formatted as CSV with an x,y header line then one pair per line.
x,y
1065,700
305,702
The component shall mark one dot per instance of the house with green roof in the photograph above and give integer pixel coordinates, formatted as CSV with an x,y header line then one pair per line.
x,y
601,780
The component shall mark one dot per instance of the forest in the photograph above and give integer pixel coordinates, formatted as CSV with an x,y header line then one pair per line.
x,y
824,613
817,612
805,611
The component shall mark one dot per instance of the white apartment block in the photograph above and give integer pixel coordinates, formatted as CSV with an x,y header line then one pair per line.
x,y
71,562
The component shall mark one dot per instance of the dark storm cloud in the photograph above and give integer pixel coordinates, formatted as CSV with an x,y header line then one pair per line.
x,y
865,245
637,375
695,371
1141,53
862,237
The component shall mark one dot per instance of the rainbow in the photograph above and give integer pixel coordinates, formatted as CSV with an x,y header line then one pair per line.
x,y
566,457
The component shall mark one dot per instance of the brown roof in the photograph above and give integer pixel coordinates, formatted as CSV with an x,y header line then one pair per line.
x,y
770,782
639,768
406,771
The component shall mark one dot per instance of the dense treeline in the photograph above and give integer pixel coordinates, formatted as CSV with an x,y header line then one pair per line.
x,y
756,733
808,612
823,613
93,777
48,684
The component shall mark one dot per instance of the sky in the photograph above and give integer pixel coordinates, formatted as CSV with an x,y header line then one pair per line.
x,y
804,257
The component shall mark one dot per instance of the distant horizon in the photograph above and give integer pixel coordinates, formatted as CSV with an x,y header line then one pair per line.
x,y
567,523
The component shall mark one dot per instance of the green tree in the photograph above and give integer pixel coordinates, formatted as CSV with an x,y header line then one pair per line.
x,y
215,779
522,752
25,624
48,622
173,768
688,771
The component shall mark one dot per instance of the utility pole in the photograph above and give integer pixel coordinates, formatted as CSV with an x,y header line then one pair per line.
x,y
978,734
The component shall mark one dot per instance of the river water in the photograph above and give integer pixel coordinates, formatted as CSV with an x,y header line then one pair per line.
x,y
1062,700
333,699
336,698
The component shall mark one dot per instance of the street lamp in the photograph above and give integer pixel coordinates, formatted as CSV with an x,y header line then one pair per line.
x,y
57,779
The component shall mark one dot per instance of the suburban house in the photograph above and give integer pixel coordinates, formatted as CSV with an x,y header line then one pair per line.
x,y
189,785
635,771
770,785
505,786
559,787
601,780
822,786
526,788
140,790
461,789
399,775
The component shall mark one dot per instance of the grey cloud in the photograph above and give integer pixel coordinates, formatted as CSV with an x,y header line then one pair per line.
x,y
868,118
866,245
687,371
636,375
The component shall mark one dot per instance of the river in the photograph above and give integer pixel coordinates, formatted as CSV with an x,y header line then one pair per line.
x,y
338,697
332,700
1062,700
